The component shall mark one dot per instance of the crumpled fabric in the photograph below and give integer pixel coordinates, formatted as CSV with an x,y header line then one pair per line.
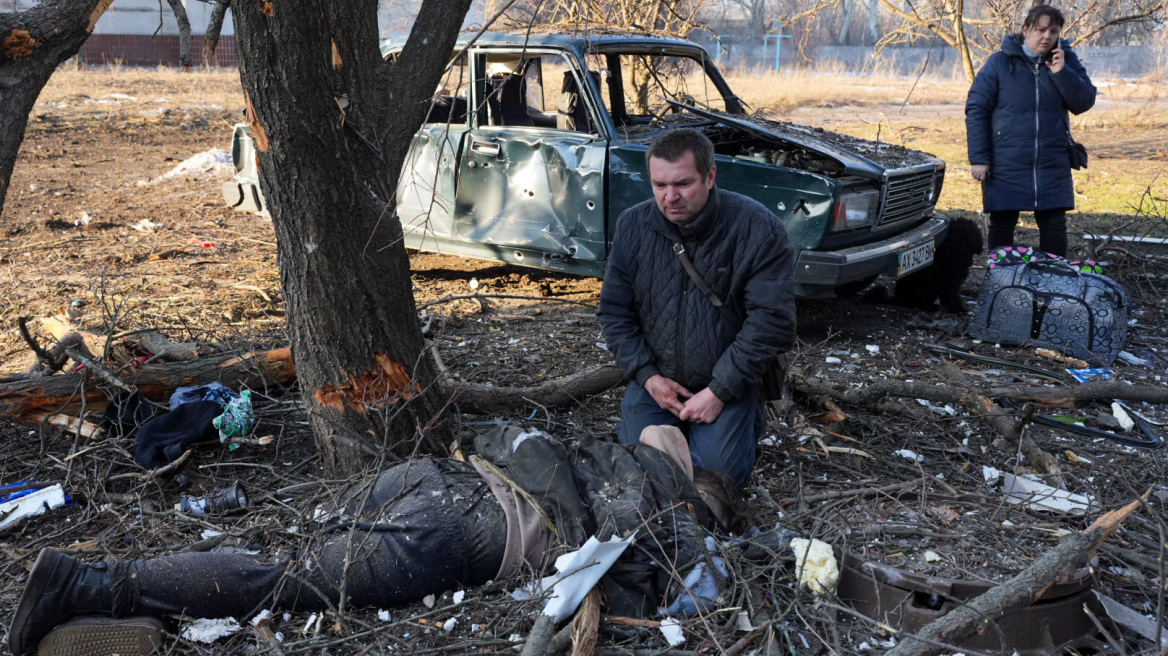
x,y
700,590
237,419
215,391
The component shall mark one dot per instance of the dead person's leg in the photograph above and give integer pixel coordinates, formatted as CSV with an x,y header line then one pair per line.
x,y
1001,232
638,410
728,444
1052,231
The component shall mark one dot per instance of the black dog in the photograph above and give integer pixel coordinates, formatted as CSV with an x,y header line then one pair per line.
x,y
942,280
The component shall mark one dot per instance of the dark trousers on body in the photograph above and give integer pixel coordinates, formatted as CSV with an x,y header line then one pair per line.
x,y
727,445
1052,230
422,528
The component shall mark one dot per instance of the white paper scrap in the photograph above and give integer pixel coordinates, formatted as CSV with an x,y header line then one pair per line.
x,y
383,615
1125,421
210,630
31,505
671,629
1039,496
459,596
577,572
991,475
264,614
910,455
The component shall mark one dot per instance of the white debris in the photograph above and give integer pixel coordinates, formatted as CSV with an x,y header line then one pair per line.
x,y
832,360
990,474
382,615
671,629
119,96
146,225
909,455
459,596
742,622
211,163
815,564
872,348
261,616
210,630
448,625
429,601
31,505
577,572
1125,420
1039,496
932,556
85,219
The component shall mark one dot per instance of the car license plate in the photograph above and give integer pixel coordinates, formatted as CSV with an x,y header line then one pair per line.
x,y
915,258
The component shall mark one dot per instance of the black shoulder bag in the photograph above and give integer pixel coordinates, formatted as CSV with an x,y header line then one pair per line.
x,y
1076,151
771,385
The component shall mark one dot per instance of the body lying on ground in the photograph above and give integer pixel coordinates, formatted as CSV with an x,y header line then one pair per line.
x,y
422,527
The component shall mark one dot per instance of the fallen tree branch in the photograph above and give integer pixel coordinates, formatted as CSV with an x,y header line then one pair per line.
x,y
1023,590
60,393
975,402
858,492
563,391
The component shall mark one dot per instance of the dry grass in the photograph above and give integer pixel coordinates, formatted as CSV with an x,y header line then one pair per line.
x,y
200,87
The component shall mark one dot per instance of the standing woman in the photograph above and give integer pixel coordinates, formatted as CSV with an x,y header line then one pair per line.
x,y
1018,129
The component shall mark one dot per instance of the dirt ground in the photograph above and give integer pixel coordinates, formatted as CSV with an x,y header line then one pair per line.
x,y
97,222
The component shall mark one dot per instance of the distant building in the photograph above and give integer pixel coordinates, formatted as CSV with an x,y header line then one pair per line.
x,y
140,33
144,32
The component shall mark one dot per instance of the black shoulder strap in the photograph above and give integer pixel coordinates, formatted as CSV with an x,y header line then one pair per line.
x,y
1058,99
679,251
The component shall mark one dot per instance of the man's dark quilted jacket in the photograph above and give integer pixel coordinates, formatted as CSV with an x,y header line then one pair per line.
x,y
657,322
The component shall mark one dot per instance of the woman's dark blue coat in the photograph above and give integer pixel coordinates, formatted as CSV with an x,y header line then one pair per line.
x,y
1016,127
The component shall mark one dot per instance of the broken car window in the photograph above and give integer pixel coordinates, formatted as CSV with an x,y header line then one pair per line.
x,y
535,91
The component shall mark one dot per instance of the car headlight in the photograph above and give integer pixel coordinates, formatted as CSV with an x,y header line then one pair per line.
x,y
855,210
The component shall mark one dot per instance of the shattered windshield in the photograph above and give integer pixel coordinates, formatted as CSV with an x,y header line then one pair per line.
x,y
635,86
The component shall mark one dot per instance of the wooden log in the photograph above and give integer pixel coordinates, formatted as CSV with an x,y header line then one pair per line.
x,y
563,391
60,393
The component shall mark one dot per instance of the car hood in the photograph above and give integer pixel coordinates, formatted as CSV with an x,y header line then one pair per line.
x,y
859,157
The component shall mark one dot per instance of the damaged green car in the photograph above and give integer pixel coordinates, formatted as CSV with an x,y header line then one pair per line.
x,y
535,144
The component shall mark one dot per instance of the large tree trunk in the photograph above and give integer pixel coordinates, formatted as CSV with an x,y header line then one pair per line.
x,y
32,44
333,123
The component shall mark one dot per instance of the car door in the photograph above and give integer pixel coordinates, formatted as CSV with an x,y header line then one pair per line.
x,y
531,179
426,189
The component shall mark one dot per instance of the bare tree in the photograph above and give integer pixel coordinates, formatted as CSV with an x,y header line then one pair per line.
x,y
32,44
975,29
333,121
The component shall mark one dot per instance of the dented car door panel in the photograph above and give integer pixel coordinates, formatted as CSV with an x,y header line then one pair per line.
x,y
536,190
425,192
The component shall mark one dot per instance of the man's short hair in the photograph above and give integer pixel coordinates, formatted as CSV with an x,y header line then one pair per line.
x,y
672,145
1036,13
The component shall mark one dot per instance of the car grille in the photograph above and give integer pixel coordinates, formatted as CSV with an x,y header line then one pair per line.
x,y
908,197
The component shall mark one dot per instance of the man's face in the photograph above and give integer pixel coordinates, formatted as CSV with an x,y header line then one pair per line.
x,y
1043,36
680,191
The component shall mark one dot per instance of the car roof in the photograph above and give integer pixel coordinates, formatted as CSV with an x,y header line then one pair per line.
x,y
572,39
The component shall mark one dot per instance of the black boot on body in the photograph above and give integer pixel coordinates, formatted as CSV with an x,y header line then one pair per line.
x,y
59,588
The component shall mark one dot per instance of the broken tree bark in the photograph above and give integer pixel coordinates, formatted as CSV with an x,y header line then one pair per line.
x,y
60,393
1024,589
564,391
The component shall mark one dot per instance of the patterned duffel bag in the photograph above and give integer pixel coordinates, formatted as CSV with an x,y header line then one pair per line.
x,y
1051,303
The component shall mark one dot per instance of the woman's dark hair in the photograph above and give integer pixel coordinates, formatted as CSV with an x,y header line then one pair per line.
x,y
724,500
1036,13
